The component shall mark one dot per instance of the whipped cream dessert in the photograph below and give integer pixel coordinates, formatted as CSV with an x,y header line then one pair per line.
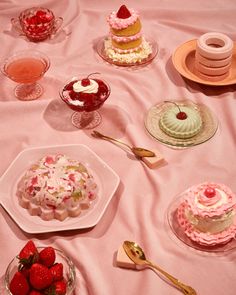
x,y
207,213
85,94
126,43
57,187
181,122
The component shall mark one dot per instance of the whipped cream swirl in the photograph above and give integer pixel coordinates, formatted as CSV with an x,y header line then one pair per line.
x,y
91,88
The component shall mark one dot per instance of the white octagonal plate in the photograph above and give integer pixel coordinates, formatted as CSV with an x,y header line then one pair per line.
x,y
106,179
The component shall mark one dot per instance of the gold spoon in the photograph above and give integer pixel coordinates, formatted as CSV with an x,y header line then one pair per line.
x,y
136,254
137,151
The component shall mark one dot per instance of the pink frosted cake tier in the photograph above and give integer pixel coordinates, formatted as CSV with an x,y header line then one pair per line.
x,y
207,214
126,43
56,187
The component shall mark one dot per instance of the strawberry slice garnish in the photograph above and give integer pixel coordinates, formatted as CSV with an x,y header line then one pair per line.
x,y
28,255
19,284
47,256
123,12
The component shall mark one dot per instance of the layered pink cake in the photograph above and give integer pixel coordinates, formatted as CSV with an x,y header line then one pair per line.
x,y
213,57
56,187
207,213
126,42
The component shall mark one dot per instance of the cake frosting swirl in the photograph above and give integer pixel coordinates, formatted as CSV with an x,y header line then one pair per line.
x,y
207,213
56,187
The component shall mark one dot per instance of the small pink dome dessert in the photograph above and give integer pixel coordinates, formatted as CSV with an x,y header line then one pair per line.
x,y
207,214
56,187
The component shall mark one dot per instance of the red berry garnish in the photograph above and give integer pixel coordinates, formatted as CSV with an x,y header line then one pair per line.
x,y
181,116
210,192
57,271
85,82
123,12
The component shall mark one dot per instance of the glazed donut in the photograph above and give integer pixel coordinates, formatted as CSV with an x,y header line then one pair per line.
x,y
214,46
212,62
212,71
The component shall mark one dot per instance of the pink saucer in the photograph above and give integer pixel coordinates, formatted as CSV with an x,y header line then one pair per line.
x,y
201,237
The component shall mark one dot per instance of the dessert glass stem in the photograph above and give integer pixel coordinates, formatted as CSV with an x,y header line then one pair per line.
x,y
86,120
28,91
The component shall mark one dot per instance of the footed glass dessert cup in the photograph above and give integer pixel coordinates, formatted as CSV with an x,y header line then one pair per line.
x,y
85,97
26,68
37,23
68,271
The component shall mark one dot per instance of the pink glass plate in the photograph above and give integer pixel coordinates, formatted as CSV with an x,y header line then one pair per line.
x,y
101,52
171,216
106,179
183,60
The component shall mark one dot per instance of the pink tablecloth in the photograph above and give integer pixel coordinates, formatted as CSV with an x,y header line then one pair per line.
x,y
137,210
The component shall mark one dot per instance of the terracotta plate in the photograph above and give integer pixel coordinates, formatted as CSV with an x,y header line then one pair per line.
x,y
184,57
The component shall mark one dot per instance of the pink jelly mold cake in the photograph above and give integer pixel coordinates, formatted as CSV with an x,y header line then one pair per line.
x,y
57,187
207,214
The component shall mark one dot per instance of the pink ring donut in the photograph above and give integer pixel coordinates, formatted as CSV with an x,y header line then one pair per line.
x,y
212,71
214,63
214,46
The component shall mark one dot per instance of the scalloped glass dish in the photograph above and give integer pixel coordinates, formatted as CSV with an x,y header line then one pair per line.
x,y
209,124
106,179
184,58
100,48
171,216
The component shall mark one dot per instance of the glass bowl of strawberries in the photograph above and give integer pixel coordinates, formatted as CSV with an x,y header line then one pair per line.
x,y
37,23
40,271
85,96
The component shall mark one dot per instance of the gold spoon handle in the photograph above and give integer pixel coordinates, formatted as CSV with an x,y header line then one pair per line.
x,y
100,135
187,290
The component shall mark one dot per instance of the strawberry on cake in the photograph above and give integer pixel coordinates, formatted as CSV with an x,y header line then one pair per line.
x,y
207,214
56,187
126,43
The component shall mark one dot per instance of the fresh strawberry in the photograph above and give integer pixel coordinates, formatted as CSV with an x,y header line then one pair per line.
x,y
57,271
47,256
19,284
57,288
40,276
123,12
28,255
25,272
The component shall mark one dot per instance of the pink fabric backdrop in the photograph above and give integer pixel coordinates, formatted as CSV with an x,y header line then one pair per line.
x,y
137,210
